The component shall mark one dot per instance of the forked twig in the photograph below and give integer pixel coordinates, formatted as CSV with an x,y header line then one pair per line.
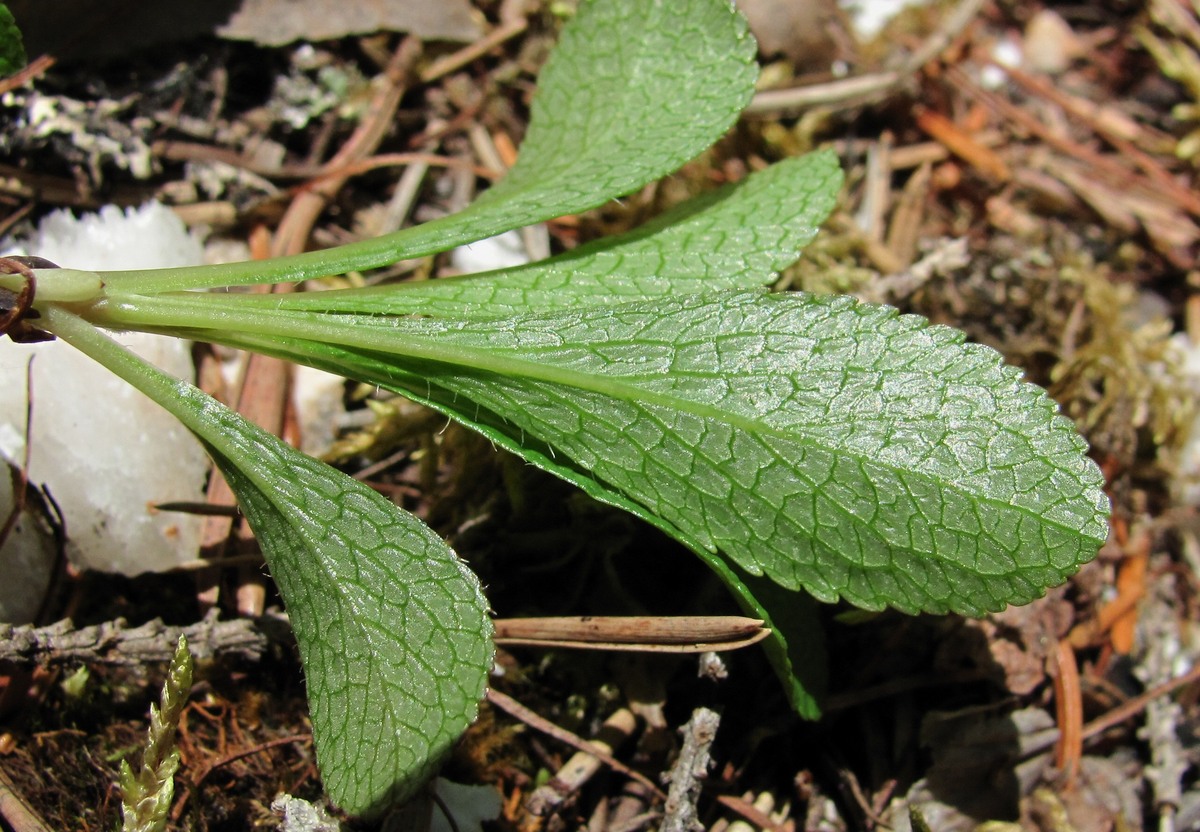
x,y
687,775
516,709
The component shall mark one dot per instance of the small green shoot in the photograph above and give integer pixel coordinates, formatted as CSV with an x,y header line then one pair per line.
x,y
147,792
12,47
797,444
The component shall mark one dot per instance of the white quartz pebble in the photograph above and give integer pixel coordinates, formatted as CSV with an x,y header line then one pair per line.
x,y
104,451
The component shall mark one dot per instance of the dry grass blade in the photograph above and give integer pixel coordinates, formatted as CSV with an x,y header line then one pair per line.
x,y
1069,700
670,634
15,812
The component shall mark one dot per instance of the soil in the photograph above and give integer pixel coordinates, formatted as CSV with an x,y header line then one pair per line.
x,y
1050,212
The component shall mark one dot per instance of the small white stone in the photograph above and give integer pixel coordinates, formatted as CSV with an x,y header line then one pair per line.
x,y
1005,53
869,17
318,397
499,252
105,452
301,816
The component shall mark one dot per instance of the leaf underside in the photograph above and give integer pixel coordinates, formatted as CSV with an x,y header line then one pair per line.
x,y
819,443
737,237
827,444
830,445
392,627
632,91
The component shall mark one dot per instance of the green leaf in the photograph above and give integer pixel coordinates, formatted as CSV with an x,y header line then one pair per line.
x,y
12,48
392,626
632,92
831,445
795,645
736,237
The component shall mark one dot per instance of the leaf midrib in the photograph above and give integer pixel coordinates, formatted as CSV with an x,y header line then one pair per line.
x,y
607,492
367,334
473,359
800,437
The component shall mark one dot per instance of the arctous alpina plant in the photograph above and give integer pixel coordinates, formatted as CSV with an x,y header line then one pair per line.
x,y
797,444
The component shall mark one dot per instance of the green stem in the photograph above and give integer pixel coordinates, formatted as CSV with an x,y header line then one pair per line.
x,y
476,222
397,336
369,254
390,335
206,311
181,399
59,285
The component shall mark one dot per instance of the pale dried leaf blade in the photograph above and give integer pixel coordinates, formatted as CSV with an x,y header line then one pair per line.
x,y
277,22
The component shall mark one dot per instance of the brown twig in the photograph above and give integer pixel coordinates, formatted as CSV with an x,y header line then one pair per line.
x,y
1131,584
963,145
1120,175
864,88
15,217
861,87
261,397
1068,700
1183,197
751,813
59,190
33,70
258,748
180,151
292,233
190,787
1131,708
1122,713
449,63
576,772
389,160
515,709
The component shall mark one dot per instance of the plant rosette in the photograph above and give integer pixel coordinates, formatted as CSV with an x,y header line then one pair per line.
x,y
796,443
